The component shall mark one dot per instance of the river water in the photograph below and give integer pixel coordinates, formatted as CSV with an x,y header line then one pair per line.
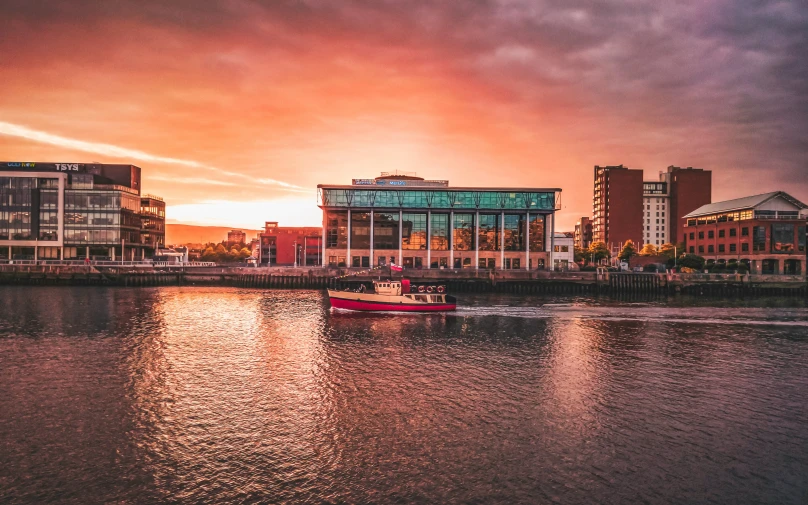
x,y
219,395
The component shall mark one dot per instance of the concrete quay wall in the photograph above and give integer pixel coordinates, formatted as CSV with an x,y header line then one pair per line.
x,y
467,280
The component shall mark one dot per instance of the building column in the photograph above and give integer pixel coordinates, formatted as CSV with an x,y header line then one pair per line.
x,y
348,261
322,247
36,253
61,253
371,239
112,253
527,240
451,239
400,237
87,252
552,240
304,251
502,241
476,240
428,235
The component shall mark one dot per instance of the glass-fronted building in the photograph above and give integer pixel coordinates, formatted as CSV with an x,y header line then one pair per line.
x,y
70,211
428,224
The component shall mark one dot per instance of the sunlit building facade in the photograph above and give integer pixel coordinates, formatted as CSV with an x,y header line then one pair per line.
x,y
424,224
51,211
765,232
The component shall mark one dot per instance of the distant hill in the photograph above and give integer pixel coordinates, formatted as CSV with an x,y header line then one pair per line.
x,y
179,234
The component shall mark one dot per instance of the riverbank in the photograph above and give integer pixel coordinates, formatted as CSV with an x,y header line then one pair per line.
x,y
471,281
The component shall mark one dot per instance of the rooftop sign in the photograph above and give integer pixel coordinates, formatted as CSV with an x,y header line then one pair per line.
x,y
398,183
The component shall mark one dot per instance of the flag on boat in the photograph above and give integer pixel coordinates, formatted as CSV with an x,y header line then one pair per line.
x,y
396,268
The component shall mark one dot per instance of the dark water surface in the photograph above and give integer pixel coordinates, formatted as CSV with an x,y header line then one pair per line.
x,y
217,395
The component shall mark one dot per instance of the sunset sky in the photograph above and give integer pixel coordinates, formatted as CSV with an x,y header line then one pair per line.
x,y
236,110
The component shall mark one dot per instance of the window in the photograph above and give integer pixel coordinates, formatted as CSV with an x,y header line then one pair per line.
x,y
360,230
744,232
758,238
783,238
385,230
413,232
692,235
356,261
801,238
733,248
710,248
463,233
365,261
701,249
745,247
721,248
710,234
513,230
439,232
536,232
692,249
733,232
488,238
332,261
720,233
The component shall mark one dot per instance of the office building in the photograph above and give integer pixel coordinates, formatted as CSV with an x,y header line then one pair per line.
x,y
656,213
418,223
617,202
766,232
583,233
290,245
153,222
77,211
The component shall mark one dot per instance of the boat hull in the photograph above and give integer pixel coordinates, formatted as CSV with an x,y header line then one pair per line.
x,y
366,303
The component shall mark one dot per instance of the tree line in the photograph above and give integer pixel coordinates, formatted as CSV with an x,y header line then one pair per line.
x,y
225,252
672,254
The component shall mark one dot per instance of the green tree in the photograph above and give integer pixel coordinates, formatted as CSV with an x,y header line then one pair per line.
x,y
599,251
209,254
628,251
244,253
649,250
581,255
691,261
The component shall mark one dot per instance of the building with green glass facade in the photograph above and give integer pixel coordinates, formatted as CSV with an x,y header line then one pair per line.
x,y
416,223
73,211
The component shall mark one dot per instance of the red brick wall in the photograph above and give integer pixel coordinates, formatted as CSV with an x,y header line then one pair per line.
x,y
285,238
625,208
738,239
690,189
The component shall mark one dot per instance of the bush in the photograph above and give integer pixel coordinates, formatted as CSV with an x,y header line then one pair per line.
x,y
692,261
651,267
742,268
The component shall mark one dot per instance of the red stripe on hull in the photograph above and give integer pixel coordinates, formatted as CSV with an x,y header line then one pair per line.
x,y
341,303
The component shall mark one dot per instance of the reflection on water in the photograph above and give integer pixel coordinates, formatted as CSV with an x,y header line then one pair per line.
x,y
211,395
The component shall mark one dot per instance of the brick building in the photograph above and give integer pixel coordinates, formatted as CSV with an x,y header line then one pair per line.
x,y
616,215
290,245
583,233
766,232
237,237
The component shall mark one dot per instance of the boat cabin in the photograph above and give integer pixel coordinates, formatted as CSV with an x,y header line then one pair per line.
x,y
390,288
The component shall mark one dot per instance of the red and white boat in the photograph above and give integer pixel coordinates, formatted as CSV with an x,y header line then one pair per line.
x,y
395,296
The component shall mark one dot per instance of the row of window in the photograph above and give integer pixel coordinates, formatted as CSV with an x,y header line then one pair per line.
x,y
782,239
436,199
418,262
414,232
